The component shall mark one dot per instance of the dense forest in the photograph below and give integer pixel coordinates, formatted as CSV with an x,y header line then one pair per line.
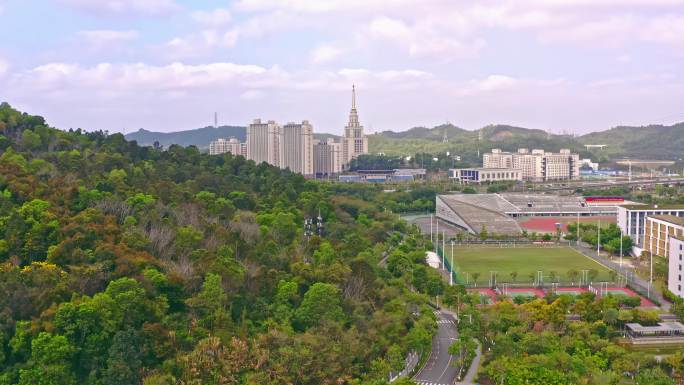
x,y
123,264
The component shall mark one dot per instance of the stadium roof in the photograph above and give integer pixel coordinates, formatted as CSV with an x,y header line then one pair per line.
x,y
497,212
484,213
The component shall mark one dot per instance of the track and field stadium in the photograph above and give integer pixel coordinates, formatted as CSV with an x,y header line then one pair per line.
x,y
508,214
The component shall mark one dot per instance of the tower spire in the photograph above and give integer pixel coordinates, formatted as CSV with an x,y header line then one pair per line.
x,y
353,96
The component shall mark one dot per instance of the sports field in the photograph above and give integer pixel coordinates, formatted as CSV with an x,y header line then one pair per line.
x,y
526,261
548,224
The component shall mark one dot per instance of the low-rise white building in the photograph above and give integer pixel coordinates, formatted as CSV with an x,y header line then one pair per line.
x,y
480,175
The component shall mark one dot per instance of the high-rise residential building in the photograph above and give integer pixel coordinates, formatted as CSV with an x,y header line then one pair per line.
x,y
537,165
222,146
327,157
297,147
354,142
264,142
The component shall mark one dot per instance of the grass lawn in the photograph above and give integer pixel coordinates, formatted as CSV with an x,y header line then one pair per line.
x,y
524,261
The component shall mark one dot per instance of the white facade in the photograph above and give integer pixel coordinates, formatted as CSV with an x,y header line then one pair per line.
x,y
222,146
264,142
354,142
537,165
480,175
327,157
632,220
675,267
297,148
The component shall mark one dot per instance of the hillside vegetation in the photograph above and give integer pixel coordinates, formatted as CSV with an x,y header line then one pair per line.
x,y
122,264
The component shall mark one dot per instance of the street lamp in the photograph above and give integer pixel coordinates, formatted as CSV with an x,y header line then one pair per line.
x,y
451,274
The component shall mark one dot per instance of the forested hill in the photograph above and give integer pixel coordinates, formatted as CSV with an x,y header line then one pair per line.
x,y
652,142
122,264
199,137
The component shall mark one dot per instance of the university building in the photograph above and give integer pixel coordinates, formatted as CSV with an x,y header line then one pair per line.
x,y
632,220
483,175
354,142
537,165
658,230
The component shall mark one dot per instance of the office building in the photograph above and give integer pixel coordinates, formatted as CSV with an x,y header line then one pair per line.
x,y
297,147
537,165
632,220
222,146
659,229
480,175
327,158
264,142
675,263
354,142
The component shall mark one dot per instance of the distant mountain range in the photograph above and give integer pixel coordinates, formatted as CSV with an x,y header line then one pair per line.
x,y
199,137
653,142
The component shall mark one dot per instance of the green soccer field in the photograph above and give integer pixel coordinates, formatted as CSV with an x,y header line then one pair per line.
x,y
524,261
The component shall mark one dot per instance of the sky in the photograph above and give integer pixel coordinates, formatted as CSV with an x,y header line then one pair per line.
x,y
168,65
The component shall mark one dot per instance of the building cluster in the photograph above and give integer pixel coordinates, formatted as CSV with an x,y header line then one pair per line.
x,y
524,165
293,146
658,230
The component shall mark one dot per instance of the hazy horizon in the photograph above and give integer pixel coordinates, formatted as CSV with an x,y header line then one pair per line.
x,y
168,65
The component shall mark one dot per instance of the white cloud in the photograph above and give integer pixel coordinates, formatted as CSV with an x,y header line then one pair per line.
x,y
494,83
216,18
4,67
200,43
325,53
668,30
105,37
446,40
123,7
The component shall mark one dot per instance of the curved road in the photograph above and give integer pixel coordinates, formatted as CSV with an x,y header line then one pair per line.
x,y
439,368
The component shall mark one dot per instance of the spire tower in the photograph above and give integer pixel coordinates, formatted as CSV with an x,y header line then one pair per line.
x,y
355,141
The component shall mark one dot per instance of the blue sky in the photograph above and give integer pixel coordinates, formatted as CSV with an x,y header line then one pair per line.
x,y
166,65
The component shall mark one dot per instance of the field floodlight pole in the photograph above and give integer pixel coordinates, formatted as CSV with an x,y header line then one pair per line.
x,y
620,249
650,279
451,273
443,248
578,228
437,235
431,239
598,241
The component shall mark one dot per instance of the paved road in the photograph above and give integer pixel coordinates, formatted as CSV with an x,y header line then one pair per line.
x,y
439,368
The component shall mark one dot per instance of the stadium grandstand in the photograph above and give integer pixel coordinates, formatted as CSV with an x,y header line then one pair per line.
x,y
505,214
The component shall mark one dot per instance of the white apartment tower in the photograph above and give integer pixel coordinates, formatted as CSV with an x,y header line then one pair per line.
x,y
222,146
264,142
354,142
327,158
297,148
